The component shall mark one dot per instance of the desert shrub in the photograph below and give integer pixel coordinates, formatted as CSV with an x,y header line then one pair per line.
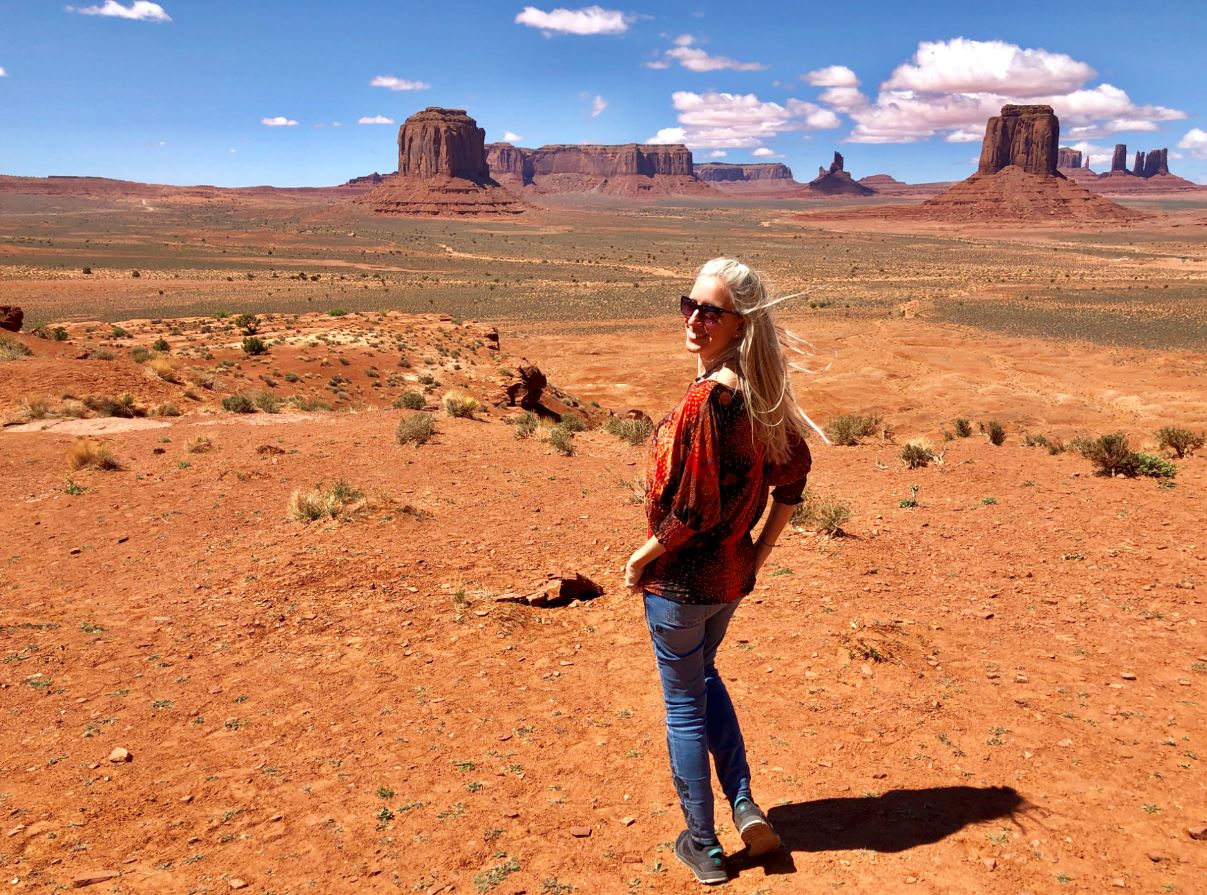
x,y
963,427
824,514
572,422
35,408
72,409
119,333
88,453
167,409
337,312
634,431
238,404
87,271
1110,453
11,349
248,323
916,454
268,402
1154,467
301,402
202,444
136,274
292,377
139,354
161,345
103,405
524,425
341,500
561,440
995,432
95,352
458,403
1182,442
849,428
164,369
254,345
410,400
416,428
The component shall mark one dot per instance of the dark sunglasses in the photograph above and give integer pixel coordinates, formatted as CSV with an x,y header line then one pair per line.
x,y
710,315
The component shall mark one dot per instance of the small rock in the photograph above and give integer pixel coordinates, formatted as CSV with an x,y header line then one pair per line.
x,y
879,775
990,863
580,832
1128,675
1066,743
97,876
1199,833
629,821
1118,883
187,799
119,755
631,858
236,883
513,814
1157,857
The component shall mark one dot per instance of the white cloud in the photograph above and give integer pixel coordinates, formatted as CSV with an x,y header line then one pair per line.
x,y
232,152
597,106
763,152
1100,156
509,137
1195,142
695,59
738,121
139,10
718,153
987,66
588,20
845,99
832,76
965,136
392,83
375,119
657,64
278,121
3,73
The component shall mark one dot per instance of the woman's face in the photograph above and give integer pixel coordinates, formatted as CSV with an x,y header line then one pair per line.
x,y
710,342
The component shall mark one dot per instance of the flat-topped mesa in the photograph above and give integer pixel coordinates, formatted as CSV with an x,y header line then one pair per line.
x,y
1068,158
442,143
1119,158
725,172
508,164
837,182
1024,136
622,169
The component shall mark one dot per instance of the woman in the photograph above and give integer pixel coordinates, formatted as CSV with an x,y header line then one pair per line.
x,y
737,432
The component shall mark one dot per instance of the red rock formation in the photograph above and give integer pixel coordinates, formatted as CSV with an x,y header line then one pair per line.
x,y
1119,159
1138,164
1068,158
1156,162
508,164
887,185
722,172
1024,136
11,318
625,169
441,170
837,182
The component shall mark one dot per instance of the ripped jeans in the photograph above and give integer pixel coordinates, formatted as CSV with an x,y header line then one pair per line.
x,y
699,714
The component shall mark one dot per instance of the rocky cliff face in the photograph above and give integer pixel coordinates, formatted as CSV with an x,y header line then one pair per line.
x,y
1024,136
1068,158
442,170
508,164
721,172
1156,162
621,169
1119,158
1144,164
837,182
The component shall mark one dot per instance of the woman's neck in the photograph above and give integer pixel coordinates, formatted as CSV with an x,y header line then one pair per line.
x,y
722,368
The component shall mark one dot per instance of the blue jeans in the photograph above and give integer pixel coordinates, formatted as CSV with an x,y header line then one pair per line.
x,y
699,714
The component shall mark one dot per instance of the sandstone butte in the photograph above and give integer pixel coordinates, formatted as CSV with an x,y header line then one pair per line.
x,y
626,169
1149,173
1017,178
835,181
442,169
763,176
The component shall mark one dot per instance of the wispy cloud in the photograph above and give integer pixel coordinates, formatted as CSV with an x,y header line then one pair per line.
x,y
597,106
509,137
375,119
695,59
278,121
738,121
588,20
139,11
392,83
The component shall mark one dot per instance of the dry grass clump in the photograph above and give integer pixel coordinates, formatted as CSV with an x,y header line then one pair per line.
x,y
458,403
850,428
562,440
11,349
164,368
825,514
524,425
994,431
122,406
340,501
410,400
416,428
573,422
88,453
634,431
202,444
917,453
35,408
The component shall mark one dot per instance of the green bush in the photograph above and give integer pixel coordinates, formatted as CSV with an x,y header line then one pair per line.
x,y
915,454
119,333
337,312
562,440
1110,453
963,427
249,323
1154,467
1182,442
995,432
238,404
161,345
139,354
416,428
525,424
634,431
410,400
572,422
849,428
253,345
268,402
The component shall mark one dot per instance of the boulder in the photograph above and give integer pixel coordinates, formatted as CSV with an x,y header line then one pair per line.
x,y
1026,137
526,388
11,318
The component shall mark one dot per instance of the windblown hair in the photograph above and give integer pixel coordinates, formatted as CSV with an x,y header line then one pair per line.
x,y
762,355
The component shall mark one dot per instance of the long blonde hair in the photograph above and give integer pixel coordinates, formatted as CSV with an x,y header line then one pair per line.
x,y
762,355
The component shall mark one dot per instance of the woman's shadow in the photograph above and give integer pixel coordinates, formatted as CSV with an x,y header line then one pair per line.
x,y
893,822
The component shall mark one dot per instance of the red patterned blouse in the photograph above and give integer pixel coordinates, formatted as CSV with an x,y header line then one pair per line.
x,y
707,483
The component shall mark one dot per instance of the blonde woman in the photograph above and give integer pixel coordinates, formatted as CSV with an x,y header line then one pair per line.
x,y
737,433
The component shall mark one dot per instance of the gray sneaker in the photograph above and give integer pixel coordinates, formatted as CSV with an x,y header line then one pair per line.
x,y
707,863
752,826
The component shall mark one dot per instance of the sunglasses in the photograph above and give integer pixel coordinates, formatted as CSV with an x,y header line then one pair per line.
x,y
710,315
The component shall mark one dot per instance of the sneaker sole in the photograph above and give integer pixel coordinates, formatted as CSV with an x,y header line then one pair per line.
x,y
709,880
760,838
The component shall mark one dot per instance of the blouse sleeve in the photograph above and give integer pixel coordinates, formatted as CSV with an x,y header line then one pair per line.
x,y
695,501
788,479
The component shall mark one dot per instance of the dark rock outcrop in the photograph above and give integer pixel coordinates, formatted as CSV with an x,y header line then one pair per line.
x,y
1138,164
1119,158
442,170
1156,162
1068,158
837,182
1024,136
11,318
723,172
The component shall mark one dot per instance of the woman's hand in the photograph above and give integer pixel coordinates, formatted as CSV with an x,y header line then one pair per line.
x,y
633,571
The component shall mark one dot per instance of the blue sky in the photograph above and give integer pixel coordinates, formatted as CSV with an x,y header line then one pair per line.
x,y
267,92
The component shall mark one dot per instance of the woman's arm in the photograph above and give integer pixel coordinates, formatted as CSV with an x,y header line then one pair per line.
x,y
776,520
642,557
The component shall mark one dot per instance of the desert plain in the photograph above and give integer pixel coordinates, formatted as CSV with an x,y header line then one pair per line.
x,y
990,680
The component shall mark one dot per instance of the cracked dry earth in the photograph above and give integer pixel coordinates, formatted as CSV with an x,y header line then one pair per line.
x,y
998,690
